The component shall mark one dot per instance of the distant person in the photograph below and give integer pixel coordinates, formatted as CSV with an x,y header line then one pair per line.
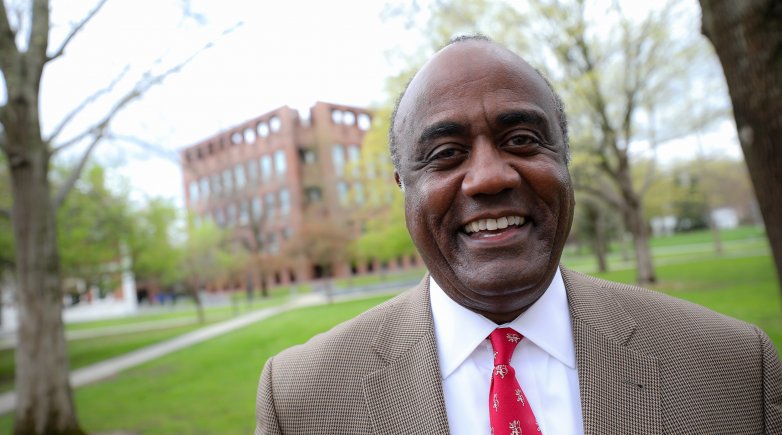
x,y
500,338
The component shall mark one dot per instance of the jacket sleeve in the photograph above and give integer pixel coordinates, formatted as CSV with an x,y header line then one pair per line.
x,y
772,386
265,413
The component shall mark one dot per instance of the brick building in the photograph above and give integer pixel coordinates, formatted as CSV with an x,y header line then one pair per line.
x,y
268,177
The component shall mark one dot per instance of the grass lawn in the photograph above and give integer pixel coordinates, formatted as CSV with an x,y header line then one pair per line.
x,y
84,352
206,389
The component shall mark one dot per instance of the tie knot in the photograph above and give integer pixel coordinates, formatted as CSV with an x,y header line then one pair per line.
x,y
504,341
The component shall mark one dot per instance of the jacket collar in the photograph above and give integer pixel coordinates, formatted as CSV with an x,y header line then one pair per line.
x,y
619,386
406,394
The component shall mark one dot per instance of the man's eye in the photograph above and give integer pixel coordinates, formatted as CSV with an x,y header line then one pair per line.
x,y
522,140
444,153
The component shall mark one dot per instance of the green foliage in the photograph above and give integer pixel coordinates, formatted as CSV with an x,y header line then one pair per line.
x,y
209,255
91,226
385,235
156,253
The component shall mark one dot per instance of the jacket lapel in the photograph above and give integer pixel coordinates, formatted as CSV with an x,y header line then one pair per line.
x,y
619,386
406,394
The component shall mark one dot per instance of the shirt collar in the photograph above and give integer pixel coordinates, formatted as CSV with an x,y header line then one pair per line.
x,y
459,331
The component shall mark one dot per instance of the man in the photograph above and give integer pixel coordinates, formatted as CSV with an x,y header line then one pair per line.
x,y
500,339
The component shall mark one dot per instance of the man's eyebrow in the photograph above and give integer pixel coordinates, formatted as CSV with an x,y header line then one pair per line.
x,y
516,117
440,129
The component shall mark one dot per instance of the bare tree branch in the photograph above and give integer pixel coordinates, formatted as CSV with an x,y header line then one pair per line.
x,y
8,47
39,37
146,145
66,187
76,30
87,101
99,130
606,195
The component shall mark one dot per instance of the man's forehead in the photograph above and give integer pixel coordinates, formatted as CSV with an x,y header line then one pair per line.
x,y
465,63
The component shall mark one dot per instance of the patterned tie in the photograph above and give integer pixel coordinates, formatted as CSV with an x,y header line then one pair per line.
x,y
509,412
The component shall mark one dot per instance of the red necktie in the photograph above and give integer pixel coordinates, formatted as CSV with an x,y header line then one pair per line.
x,y
509,412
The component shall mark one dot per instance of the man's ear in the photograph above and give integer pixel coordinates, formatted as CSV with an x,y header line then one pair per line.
x,y
399,181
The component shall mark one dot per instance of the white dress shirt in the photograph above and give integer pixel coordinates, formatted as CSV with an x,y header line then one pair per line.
x,y
544,361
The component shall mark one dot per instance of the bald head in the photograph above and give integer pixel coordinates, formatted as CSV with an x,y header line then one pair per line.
x,y
481,43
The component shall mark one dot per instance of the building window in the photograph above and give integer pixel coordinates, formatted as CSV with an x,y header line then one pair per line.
x,y
269,206
257,208
239,174
230,215
342,192
336,116
272,244
358,190
236,138
227,181
285,202
338,159
252,171
275,124
249,135
216,188
244,213
349,118
364,121
354,155
279,163
266,168
314,195
263,129
193,191
307,156
287,233
204,187
219,217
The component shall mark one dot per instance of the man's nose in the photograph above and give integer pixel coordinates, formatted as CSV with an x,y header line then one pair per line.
x,y
488,171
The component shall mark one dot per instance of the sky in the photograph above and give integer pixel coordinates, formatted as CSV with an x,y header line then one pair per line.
x,y
292,52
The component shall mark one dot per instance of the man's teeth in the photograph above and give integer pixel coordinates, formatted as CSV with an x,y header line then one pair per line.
x,y
493,224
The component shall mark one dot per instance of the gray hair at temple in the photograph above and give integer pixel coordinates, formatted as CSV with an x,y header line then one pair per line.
x,y
560,106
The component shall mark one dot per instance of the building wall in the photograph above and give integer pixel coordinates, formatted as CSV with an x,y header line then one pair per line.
x,y
268,176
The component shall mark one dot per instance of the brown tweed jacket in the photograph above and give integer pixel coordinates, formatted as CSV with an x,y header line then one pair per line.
x,y
647,364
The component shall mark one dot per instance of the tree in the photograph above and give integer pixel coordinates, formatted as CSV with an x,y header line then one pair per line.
x,y
323,243
44,402
747,36
96,218
385,235
207,256
156,254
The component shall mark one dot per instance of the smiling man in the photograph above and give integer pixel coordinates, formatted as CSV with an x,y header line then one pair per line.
x,y
499,338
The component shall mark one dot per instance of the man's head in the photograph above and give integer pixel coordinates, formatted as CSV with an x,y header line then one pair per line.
x,y
480,147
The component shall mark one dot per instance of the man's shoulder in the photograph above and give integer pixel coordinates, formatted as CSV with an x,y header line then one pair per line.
x,y
353,340
662,318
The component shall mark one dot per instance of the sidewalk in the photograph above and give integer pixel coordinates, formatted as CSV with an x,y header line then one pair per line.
x,y
111,367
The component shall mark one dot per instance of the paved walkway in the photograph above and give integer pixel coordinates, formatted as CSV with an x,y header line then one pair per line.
x,y
111,367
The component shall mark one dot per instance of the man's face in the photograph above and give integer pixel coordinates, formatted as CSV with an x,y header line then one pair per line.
x,y
488,198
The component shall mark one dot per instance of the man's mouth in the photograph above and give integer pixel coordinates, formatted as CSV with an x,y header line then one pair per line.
x,y
493,224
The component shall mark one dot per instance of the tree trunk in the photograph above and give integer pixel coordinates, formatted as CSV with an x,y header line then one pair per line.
x,y
44,400
747,36
715,232
636,222
599,243
197,301
645,273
